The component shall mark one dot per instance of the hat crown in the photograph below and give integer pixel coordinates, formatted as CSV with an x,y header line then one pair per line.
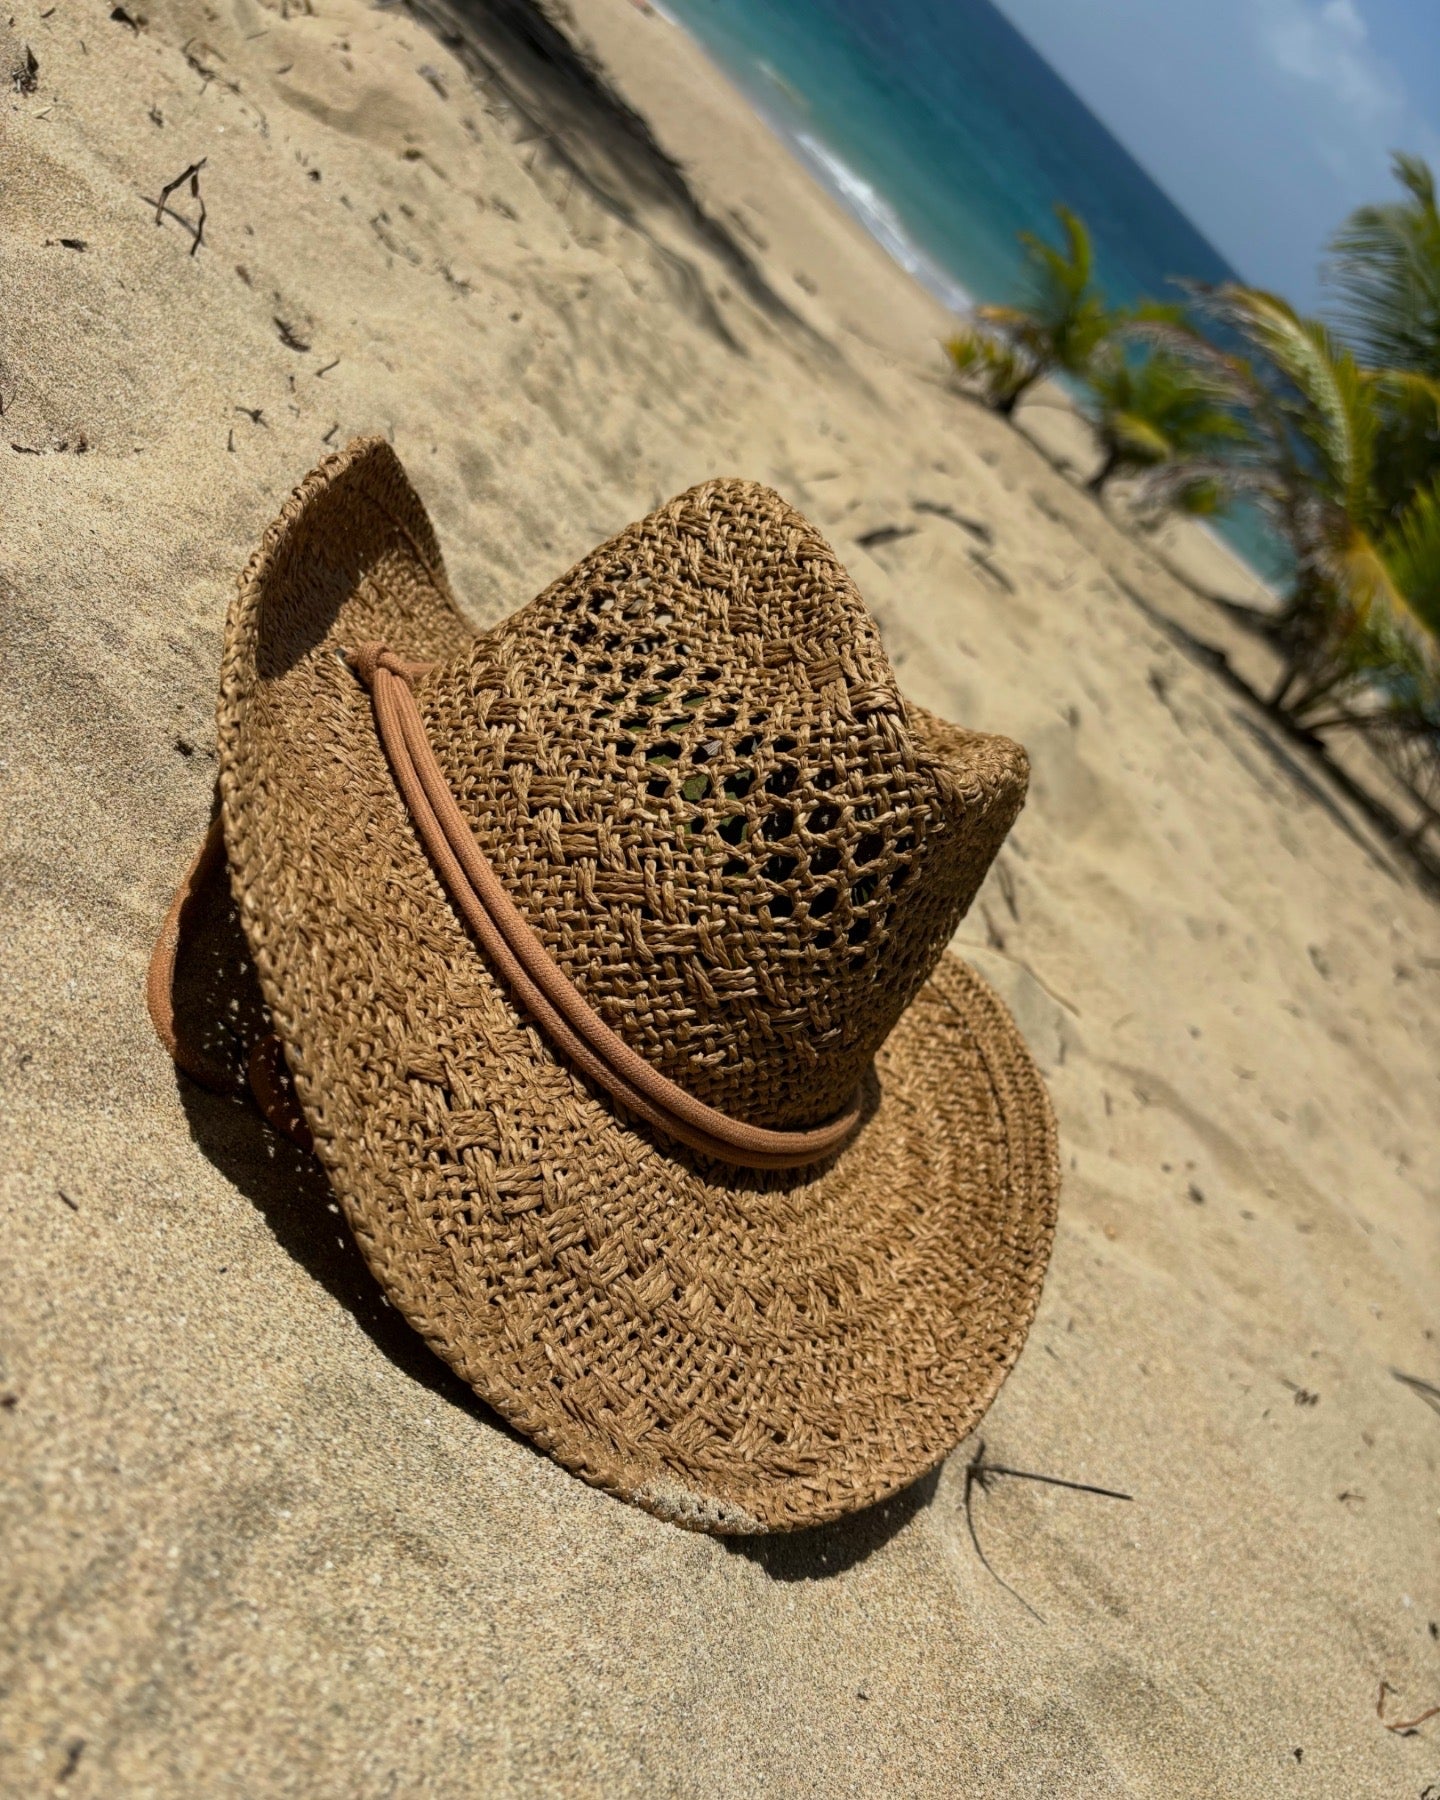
x,y
690,765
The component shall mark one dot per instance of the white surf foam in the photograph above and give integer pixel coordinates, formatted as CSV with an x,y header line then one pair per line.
x,y
878,216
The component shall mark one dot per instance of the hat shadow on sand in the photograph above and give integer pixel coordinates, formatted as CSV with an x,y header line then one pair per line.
x,y
219,1007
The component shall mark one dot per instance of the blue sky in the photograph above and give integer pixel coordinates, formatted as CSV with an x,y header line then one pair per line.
x,y
1265,120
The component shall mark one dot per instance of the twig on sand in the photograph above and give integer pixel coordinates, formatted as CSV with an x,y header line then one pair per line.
x,y
192,175
1427,1390
992,571
1402,1727
1079,1487
976,527
885,534
979,1473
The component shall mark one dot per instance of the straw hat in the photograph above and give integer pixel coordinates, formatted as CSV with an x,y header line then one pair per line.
x,y
607,953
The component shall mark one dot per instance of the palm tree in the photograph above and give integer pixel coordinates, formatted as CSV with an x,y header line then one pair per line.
x,y
1361,620
1384,262
1058,323
1408,727
999,369
1158,409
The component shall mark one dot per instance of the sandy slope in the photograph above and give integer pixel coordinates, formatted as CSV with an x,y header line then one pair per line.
x,y
255,1541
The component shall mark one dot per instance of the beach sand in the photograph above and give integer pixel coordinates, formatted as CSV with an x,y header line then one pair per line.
x,y
256,1540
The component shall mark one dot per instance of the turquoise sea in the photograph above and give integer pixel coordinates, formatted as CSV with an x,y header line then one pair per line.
x,y
939,126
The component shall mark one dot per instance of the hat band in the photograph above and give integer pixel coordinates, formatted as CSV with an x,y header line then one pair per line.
x,y
534,978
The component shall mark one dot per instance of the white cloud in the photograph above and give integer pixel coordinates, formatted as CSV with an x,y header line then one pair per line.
x,y
1328,47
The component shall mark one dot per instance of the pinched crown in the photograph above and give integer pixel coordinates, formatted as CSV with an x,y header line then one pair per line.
x,y
689,764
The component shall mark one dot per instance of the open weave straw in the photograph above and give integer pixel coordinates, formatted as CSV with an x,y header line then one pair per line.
x,y
536,982
689,765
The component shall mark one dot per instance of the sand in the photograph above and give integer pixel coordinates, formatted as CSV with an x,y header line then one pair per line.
x,y
256,1541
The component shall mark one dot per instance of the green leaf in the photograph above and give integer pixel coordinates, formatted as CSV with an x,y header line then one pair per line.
x,y
1058,321
1384,264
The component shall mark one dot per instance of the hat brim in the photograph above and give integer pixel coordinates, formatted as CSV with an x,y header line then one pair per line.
x,y
734,1351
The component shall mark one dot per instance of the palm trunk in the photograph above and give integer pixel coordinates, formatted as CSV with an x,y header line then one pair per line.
x,y
1007,403
1288,677
1096,483
1320,689
1291,631
1345,721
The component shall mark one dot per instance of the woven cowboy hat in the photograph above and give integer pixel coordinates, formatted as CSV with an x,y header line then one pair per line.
x,y
606,950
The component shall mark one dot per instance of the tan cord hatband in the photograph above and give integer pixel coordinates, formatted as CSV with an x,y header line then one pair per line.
x,y
534,979
160,976
268,1076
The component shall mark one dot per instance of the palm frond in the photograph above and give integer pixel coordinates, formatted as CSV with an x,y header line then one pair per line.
x,y
1235,380
1141,441
1000,369
1155,408
1384,265
1058,275
1323,389
1411,549
1414,389
1150,312
1061,317
1229,481
1326,415
1354,566
1407,451
1058,320
1199,498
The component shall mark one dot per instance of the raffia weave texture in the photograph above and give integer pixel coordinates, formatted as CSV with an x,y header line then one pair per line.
x,y
690,766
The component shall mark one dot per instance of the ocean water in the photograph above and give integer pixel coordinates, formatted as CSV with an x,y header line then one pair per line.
x,y
939,126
